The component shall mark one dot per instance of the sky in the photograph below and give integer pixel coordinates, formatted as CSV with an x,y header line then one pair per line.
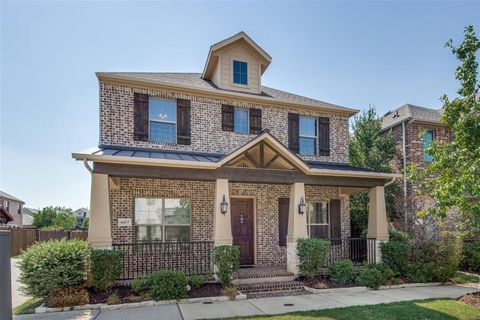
x,y
353,54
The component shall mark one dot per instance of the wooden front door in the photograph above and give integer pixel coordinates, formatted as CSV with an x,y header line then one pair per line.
x,y
242,229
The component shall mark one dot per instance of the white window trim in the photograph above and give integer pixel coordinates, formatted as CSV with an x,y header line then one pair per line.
x,y
248,120
315,137
162,121
163,224
319,224
232,83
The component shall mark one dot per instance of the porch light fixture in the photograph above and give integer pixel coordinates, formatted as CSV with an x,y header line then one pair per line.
x,y
301,206
224,205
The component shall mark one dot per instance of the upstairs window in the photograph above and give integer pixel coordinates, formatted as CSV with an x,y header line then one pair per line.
x,y
318,220
308,136
240,73
160,219
162,120
240,121
427,143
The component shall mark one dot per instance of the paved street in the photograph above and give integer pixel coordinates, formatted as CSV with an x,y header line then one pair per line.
x,y
261,306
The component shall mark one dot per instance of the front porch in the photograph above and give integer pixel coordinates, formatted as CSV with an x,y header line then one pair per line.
x,y
140,259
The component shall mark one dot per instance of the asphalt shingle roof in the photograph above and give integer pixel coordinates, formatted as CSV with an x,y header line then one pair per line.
x,y
195,80
410,111
10,197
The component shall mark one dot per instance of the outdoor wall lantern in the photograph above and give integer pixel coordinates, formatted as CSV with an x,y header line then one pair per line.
x,y
301,206
224,205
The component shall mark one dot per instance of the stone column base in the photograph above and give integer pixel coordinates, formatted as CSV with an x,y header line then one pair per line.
x,y
292,257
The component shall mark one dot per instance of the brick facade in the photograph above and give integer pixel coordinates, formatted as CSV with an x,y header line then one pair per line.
x,y
414,155
116,123
201,193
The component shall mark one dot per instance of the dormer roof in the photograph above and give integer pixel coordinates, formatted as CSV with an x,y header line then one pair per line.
x,y
240,37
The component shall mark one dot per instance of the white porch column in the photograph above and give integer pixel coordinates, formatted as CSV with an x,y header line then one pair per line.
x,y
297,226
222,222
377,219
100,227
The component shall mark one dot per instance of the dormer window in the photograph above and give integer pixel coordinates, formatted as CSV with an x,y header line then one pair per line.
x,y
240,73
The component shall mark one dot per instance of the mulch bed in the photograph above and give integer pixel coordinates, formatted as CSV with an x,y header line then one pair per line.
x,y
472,299
125,293
322,282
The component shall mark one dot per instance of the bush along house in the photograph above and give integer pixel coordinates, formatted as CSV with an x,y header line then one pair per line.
x,y
189,161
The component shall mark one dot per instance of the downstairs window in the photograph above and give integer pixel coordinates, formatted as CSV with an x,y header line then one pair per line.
x,y
161,219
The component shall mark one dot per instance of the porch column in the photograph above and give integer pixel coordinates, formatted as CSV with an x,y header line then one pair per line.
x,y
222,223
377,219
297,226
100,226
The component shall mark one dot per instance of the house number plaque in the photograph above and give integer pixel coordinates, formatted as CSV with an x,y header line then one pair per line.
x,y
124,222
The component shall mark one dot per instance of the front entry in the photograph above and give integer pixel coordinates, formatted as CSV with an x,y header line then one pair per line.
x,y
242,229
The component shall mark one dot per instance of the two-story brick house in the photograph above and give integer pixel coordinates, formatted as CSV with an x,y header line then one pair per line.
x,y
414,129
10,209
217,158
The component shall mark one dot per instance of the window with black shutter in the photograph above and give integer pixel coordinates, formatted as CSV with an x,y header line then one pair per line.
x,y
140,116
283,205
227,117
183,122
255,121
324,136
293,132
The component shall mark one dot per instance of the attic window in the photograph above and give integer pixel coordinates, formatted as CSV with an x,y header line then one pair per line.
x,y
240,74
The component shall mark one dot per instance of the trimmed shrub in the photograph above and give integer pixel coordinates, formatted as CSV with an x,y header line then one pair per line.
x,y
387,272
47,266
227,260
395,255
396,235
106,267
471,256
196,280
166,285
313,256
342,272
371,277
66,297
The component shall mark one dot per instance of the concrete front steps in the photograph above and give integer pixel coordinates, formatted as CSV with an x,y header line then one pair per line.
x,y
267,282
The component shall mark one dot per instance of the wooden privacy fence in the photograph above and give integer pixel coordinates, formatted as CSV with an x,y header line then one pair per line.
x,y
23,238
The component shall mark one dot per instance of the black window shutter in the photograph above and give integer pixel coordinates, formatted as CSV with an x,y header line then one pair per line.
x,y
255,120
283,205
140,116
335,219
227,117
293,133
183,122
324,136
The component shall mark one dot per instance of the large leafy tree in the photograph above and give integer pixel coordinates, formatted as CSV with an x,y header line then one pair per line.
x,y
369,148
54,218
453,178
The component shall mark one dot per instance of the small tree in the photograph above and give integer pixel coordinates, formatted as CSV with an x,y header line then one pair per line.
x,y
85,223
452,179
369,148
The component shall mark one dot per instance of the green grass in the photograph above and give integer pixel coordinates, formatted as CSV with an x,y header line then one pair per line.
x,y
463,278
441,309
28,306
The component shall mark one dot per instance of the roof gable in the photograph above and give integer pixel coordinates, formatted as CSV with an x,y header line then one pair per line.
x,y
240,38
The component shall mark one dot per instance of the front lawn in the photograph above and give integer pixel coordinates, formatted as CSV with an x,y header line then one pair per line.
x,y
441,309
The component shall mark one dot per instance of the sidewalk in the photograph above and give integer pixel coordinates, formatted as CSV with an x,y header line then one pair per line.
x,y
262,305
17,297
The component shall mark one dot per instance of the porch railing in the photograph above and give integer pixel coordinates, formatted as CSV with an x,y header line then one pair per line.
x,y
359,250
141,259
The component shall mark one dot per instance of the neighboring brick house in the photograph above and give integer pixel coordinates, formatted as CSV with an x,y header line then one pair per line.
x,y
414,129
10,209
217,158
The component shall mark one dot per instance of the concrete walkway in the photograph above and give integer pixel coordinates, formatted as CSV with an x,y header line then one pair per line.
x,y
17,297
263,305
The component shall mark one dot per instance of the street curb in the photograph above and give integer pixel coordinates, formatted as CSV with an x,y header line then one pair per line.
x,y
105,307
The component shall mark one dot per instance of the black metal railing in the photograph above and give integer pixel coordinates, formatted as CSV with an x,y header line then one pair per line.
x,y
359,250
141,259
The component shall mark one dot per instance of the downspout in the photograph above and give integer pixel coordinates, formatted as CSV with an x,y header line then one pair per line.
x,y
404,151
390,182
85,163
